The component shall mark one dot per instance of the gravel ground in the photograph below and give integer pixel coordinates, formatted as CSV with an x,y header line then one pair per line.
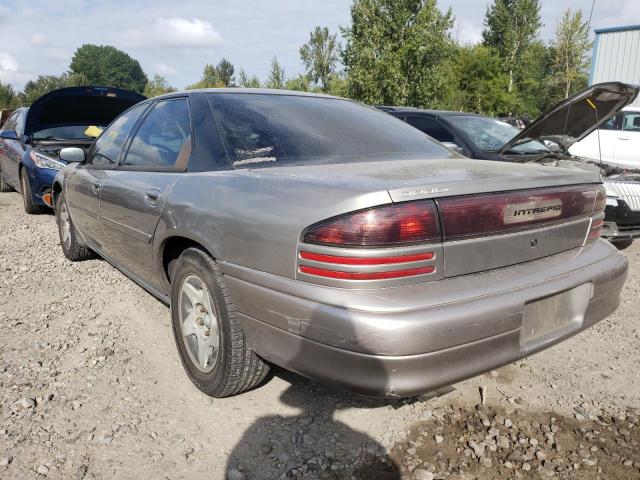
x,y
92,387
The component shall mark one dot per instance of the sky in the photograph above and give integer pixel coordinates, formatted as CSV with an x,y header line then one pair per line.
x,y
176,39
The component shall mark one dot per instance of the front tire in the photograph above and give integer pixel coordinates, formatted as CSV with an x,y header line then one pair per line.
x,y
27,196
71,247
210,340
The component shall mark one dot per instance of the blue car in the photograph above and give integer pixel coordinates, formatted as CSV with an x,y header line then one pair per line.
x,y
31,138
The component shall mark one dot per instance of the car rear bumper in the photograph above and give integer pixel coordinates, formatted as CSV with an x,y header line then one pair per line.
x,y
409,340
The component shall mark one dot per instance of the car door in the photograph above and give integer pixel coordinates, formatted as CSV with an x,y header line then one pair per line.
x,y
602,141
133,198
11,150
628,140
84,184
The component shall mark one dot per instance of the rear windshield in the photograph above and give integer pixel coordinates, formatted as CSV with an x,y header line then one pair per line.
x,y
266,130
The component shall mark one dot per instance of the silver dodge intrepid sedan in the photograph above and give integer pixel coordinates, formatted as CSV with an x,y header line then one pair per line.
x,y
336,241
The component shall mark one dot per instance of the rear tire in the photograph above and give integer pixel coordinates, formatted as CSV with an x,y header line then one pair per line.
x,y
622,244
210,340
71,247
27,197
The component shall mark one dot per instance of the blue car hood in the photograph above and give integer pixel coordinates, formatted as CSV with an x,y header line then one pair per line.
x,y
79,106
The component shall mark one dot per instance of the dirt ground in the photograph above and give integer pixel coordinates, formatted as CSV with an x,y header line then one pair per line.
x,y
91,387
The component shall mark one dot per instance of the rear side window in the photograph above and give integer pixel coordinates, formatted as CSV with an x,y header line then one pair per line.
x,y
107,147
431,127
267,130
164,136
631,121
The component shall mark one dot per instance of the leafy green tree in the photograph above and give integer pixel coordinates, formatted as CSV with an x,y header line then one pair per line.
x,y
248,82
276,75
46,83
107,66
158,85
510,28
300,83
8,97
210,78
481,84
396,52
320,56
571,47
225,72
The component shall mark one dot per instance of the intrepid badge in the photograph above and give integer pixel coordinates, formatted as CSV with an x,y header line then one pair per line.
x,y
530,211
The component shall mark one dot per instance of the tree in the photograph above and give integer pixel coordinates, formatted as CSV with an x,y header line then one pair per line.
x,y
299,83
480,83
210,78
225,71
276,76
248,82
571,46
107,66
320,55
510,28
46,83
396,52
157,86
8,97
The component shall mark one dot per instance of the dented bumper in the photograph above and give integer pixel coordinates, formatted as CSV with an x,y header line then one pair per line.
x,y
408,340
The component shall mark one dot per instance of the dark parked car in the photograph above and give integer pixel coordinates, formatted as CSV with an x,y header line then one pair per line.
x,y
335,240
31,138
477,136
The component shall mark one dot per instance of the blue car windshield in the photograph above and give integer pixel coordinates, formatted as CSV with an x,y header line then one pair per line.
x,y
267,130
490,134
67,132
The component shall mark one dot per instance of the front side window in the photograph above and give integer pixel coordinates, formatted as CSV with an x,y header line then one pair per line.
x,y
107,147
164,136
268,130
631,121
431,127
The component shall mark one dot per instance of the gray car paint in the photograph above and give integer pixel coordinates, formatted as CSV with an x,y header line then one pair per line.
x,y
388,331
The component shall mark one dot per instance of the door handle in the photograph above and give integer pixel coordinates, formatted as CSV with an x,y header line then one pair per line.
x,y
623,138
153,194
95,188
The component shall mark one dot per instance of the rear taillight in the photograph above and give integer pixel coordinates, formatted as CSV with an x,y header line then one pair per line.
x,y
598,214
601,200
479,215
401,224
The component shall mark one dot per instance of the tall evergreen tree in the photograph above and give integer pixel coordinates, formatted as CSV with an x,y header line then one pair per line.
x,y
320,56
396,52
571,46
276,75
225,72
510,27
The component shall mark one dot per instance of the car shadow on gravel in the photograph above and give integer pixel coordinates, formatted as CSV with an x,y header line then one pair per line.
x,y
313,444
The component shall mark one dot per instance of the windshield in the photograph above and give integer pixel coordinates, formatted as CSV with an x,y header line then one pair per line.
x,y
68,132
267,130
490,134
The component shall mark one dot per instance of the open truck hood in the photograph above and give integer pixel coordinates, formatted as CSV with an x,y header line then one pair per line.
x,y
79,106
577,116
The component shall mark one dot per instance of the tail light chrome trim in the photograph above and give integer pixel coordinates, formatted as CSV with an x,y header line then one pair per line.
x,y
342,260
411,272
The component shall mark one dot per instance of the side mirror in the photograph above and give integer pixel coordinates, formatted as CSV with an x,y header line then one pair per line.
x,y
72,155
552,146
453,146
9,135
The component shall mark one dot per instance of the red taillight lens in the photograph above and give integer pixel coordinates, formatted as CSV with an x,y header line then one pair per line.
x,y
478,215
401,224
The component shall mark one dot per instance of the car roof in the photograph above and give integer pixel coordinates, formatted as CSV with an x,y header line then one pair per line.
x,y
249,91
414,110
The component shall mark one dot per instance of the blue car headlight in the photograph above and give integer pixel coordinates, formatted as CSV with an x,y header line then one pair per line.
x,y
42,161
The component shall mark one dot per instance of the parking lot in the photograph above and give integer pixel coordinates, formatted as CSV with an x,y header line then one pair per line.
x,y
92,387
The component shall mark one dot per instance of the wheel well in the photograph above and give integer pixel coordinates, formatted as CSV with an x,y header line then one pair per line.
x,y
55,191
173,248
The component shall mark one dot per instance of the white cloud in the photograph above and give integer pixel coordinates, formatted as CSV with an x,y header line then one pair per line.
x,y
163,69
174,32
9,72
36,39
